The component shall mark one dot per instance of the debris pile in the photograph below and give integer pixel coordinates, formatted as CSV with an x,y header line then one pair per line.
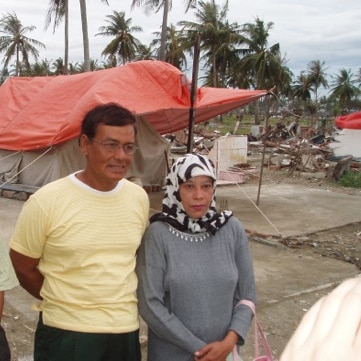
x,y
289,147
203,141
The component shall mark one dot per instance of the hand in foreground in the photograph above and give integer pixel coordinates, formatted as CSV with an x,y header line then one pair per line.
x,y
331,329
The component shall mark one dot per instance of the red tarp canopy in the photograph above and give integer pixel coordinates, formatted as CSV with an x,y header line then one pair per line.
x,y
37,112
350,121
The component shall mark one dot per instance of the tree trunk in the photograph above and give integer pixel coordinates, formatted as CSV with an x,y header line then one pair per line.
x,y
17,67
163,36
66,38
84,25
214,71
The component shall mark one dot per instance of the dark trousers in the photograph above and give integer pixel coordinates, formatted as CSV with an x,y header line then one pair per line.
x,y
54,344
4,346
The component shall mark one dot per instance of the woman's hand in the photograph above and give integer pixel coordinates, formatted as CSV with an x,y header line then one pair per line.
x,y
217,351
331,329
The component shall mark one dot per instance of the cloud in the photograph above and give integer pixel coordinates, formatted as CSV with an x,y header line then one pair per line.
x,y
309,30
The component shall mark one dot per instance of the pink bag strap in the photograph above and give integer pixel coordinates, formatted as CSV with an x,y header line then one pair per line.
x,y
258,332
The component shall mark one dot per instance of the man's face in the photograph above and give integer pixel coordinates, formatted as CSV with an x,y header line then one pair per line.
x,y
106,167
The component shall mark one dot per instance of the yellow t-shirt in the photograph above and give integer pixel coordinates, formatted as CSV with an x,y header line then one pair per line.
x,y
86,241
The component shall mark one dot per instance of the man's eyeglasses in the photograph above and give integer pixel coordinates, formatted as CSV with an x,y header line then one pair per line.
x,y
113,146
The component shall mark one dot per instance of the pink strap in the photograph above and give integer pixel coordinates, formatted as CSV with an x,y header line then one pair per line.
x,y
258,333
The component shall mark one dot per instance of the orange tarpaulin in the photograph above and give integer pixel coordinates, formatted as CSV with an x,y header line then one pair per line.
x,y
38,112
349,121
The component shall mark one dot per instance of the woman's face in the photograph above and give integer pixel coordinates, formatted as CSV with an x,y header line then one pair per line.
x,y
196,195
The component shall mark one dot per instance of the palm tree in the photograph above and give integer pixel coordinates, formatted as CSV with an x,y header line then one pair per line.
x,y
157,5
167,6
58,66
14,42
144,52
174,54
301,90
302,87
111,62
76,68
261,66
84,25
222,61
124,44
4,74
41,68
79,68
218,38
344,88
317,76
60,9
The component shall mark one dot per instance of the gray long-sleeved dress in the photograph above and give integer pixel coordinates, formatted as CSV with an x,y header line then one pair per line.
x,y
189,286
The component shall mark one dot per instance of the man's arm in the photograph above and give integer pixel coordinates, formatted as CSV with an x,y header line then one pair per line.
x,y
26,269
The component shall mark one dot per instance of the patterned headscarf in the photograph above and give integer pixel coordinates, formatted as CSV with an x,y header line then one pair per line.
x,y
191,165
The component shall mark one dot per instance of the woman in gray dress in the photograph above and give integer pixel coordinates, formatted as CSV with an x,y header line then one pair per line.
x,y
194,266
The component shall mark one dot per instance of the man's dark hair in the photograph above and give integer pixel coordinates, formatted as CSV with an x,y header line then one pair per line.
x,y
109,114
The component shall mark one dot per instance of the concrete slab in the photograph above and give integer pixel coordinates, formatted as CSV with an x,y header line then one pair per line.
x,y
290,210
283,273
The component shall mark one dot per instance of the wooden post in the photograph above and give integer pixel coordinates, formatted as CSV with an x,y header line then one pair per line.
x,y
193,93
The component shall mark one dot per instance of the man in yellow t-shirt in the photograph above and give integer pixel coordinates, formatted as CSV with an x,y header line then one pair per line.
x,y
74,248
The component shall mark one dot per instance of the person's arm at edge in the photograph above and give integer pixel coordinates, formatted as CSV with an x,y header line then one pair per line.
x,y
27,272
2,296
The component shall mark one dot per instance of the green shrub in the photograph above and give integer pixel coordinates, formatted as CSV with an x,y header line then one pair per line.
x,y
350,179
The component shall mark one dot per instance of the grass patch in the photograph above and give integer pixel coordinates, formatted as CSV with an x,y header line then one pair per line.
x,y
350,179
226,123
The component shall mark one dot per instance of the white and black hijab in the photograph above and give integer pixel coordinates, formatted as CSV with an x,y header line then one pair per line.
x,y
191,165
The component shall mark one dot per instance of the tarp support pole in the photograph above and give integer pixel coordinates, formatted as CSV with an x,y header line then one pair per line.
x,y
193,92
264,150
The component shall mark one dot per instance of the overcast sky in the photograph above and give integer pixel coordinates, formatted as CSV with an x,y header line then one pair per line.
x,y
325,30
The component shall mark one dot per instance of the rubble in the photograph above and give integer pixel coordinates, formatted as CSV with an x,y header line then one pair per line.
x,y
302,150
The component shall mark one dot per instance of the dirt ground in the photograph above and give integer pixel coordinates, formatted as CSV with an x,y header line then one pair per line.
x,y
342,244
